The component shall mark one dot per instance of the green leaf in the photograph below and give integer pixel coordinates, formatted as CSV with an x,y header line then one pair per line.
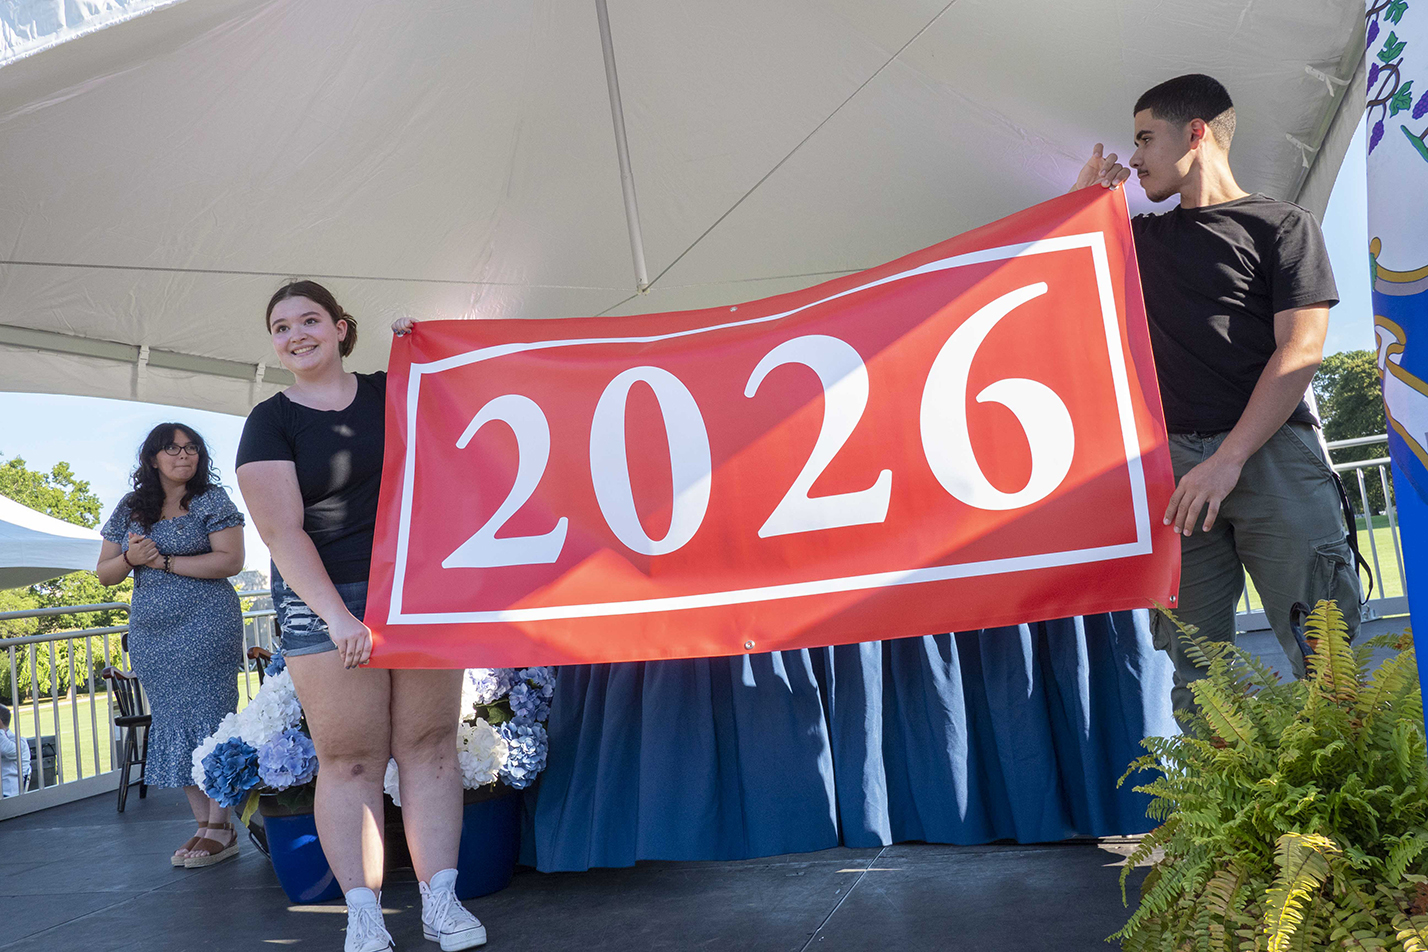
x,y
1303,863
1395,10
1333,665
1403,853
1392,48
1229,724
1403,99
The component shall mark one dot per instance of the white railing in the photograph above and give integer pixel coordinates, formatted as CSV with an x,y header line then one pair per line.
x,y
1384,551
76,753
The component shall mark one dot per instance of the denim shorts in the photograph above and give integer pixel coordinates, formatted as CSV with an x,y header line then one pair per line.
x,y
300,628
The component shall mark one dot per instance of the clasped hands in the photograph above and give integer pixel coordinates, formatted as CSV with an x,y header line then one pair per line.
x,y
143,551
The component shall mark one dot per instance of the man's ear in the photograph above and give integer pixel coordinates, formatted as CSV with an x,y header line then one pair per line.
x,y
1198,129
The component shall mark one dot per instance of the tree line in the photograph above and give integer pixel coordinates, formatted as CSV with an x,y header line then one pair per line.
x,y
1351,405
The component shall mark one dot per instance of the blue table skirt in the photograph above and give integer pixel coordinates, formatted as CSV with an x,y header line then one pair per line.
x,y
1002,734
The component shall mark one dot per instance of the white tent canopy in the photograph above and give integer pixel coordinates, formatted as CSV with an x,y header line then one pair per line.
x,y
165,172
35,547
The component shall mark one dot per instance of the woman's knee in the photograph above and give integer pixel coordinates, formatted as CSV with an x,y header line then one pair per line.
x,y
354,764
424,742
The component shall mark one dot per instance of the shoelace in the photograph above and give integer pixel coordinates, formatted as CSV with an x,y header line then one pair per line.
x,y
441,900
367,920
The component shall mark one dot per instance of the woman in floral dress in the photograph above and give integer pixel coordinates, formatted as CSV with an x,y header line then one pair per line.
x,y
182,537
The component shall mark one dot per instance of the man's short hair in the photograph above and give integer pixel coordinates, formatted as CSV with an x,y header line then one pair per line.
x,y
4,717
1193,96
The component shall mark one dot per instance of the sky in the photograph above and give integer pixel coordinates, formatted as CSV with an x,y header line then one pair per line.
x,y
99,438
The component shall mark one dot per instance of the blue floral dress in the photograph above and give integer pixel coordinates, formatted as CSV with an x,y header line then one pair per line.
x,y
185,635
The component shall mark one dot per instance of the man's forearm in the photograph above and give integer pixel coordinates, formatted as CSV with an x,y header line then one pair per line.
x,y
1280,387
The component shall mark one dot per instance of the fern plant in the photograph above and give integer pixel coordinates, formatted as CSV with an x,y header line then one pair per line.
x,y
1294,815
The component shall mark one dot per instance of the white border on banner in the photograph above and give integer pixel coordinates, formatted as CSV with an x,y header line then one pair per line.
x,y
1095,241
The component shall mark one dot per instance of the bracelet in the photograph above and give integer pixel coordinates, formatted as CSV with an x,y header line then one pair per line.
x,y
168,564
125,556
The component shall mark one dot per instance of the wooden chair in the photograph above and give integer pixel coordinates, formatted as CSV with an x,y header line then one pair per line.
x,y
133,715
262,656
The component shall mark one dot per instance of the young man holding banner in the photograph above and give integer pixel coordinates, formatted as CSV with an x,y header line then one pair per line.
x,y
1237,292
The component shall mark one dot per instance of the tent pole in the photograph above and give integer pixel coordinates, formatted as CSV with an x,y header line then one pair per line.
x,y
622,149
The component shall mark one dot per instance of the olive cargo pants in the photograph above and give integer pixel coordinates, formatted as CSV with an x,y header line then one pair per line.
x,y
1284,524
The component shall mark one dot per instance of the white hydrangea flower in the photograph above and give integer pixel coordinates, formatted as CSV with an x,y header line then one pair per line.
x,y
272,710
481,753
468,693
200,752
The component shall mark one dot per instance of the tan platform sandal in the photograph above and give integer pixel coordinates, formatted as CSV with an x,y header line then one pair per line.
x,y
217,852
178,860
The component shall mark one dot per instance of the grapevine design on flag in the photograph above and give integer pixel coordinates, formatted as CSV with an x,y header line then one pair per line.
x,y
1400,297
1389,93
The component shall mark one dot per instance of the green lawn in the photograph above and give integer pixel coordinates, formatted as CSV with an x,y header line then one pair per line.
x,y
1387,582
72,765
71,768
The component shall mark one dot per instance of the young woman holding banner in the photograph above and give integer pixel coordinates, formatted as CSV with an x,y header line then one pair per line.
x,y
309,467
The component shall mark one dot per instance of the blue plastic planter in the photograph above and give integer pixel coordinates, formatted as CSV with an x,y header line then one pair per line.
x,y
490,843
298,859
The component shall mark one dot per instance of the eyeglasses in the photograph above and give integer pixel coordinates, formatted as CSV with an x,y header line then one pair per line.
x,y
173,449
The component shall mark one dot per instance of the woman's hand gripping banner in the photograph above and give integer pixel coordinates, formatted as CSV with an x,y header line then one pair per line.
x,y
966,437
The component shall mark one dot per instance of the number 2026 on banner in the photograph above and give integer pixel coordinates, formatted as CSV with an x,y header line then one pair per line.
x,y
966,437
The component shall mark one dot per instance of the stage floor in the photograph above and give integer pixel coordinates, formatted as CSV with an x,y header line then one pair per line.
x,y
83,877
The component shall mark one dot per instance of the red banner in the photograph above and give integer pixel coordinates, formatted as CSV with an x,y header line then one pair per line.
x,y
966,437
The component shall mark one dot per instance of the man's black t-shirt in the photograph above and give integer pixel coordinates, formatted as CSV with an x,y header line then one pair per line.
x,y
338,455
1213,278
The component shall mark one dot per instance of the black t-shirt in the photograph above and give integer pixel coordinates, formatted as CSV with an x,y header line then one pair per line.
x,y
1214,277
338,455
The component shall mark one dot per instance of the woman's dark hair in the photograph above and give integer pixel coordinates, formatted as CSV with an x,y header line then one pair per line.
x,y
146,502
323,298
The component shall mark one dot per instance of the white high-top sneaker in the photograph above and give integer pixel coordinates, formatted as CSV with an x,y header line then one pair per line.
x,y
444,919
366,931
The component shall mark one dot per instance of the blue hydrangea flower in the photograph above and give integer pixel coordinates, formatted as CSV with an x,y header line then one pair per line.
x,y
527,703
542,678
489,685
287,760
230,771
276,665
527,745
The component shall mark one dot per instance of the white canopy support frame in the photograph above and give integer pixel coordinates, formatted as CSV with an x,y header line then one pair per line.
x,y
1340,124
169,164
